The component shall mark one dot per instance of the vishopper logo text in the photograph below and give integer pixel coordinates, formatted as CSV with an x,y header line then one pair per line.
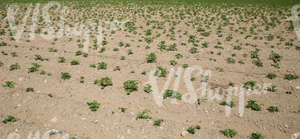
x,y
295,19
296,136
190,96
53,133
50,32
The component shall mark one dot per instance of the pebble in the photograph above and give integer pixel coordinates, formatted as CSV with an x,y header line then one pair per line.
x,y
53,120
20,79
286,126
96,121
53,131
184,133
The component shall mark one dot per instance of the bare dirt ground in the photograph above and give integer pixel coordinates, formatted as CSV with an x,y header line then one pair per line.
x,y
237,44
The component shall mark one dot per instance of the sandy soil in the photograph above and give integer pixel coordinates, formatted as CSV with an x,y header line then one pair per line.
x,y
67,109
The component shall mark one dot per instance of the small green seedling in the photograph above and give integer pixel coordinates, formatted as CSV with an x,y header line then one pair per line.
x,y
185,66
43,72
94,105
272,88
122,58
35,67
271,76
65,75
9,84
1,63
251,85
147,88
200,100
231,104
256,136
116,49
198,127
179,56
14,54
81,79
61,60
205,78
291,77
229,132
9,118
102,66
74,62
105,81
194,50
289,92
276,65
275,57
191,130
14,67
129,52
237,47
39,57
93,66
130,86
73,137
157,122
230,60
193,78
273,109
85,55
173,63
258,63
161,72
29,89
123,109
143,115
172,94
78,53
50,95
219,69
117,68
253,105
52,50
